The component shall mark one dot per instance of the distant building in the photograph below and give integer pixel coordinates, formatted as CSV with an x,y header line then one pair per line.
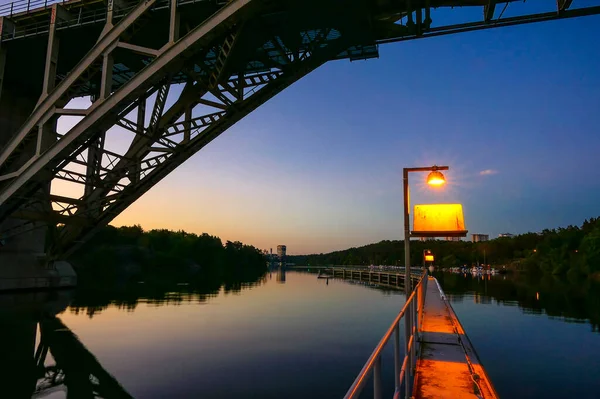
x,y
452,238
426,238
508,235
480,237
281,249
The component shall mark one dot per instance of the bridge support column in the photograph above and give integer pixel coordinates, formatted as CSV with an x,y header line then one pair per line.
x,y
23,264
22,241
174,23
5,25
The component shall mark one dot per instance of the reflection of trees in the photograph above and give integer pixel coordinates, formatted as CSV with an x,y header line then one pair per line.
x,y
91,297
572,300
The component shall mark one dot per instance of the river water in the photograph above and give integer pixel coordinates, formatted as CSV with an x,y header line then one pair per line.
x,y
287,335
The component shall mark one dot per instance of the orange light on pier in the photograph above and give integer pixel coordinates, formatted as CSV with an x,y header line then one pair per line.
x,y
428,258
439,220
436,179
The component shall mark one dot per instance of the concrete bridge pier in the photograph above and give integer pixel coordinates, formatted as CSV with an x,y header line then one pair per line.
x,y
23,264
23,261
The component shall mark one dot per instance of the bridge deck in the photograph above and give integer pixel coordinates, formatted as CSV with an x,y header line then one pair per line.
x,y
448,366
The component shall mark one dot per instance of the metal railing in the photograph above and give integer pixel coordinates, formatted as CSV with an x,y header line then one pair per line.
x,y
412,313
82,13
24,6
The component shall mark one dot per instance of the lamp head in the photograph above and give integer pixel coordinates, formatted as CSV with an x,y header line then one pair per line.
x,y
436,179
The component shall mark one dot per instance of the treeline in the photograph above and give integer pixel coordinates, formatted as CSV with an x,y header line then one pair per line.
x,y
558,251
164,255
574,250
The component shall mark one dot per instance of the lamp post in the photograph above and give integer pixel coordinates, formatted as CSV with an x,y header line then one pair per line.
x,y
436,179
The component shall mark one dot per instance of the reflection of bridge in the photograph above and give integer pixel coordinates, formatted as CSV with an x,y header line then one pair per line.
x,y
75,368
171,75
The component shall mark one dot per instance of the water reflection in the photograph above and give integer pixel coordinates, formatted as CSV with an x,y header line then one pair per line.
x,y
91,298
320,329
43,356
281,275
570,300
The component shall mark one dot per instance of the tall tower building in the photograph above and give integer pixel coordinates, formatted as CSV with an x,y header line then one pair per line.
x,y
281,250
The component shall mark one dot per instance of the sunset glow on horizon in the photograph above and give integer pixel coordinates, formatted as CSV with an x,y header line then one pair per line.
x,y
319,167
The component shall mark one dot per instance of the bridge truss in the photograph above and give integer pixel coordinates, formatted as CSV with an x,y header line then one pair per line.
x,y
172,75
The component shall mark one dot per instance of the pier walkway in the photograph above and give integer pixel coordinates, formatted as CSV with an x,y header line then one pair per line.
x,y
388,278
439,361
447,365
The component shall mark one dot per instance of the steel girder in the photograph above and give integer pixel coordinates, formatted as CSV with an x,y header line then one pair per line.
x,y
196,80
231,65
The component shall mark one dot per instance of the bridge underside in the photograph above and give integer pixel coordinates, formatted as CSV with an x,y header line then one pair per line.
x,y
169,76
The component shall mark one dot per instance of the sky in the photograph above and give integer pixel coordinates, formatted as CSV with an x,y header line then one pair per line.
x,y
514,112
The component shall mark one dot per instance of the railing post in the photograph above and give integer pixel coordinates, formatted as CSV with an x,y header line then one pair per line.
x,y
28,1
419,307
397,362
413,348
407,352
377,391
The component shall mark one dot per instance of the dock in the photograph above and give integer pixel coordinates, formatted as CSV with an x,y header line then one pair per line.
x,y
433,357
389,278
447,365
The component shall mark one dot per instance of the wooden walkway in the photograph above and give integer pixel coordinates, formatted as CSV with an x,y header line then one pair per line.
x,y
447,366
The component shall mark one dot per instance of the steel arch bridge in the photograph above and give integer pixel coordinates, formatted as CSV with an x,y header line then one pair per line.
x,y
174,75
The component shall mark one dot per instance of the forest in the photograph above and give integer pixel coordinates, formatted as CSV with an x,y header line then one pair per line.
x,y
574,250
129,252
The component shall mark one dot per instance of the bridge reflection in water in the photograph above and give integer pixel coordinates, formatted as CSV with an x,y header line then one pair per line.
x,y
41,355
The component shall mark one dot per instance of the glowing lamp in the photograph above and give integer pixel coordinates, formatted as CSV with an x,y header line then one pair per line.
x,y
438,220
436,179
428,258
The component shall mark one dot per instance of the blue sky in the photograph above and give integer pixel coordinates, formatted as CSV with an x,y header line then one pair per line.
x,y
319,166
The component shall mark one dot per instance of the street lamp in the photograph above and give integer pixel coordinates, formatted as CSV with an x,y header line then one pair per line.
x,y
435,179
